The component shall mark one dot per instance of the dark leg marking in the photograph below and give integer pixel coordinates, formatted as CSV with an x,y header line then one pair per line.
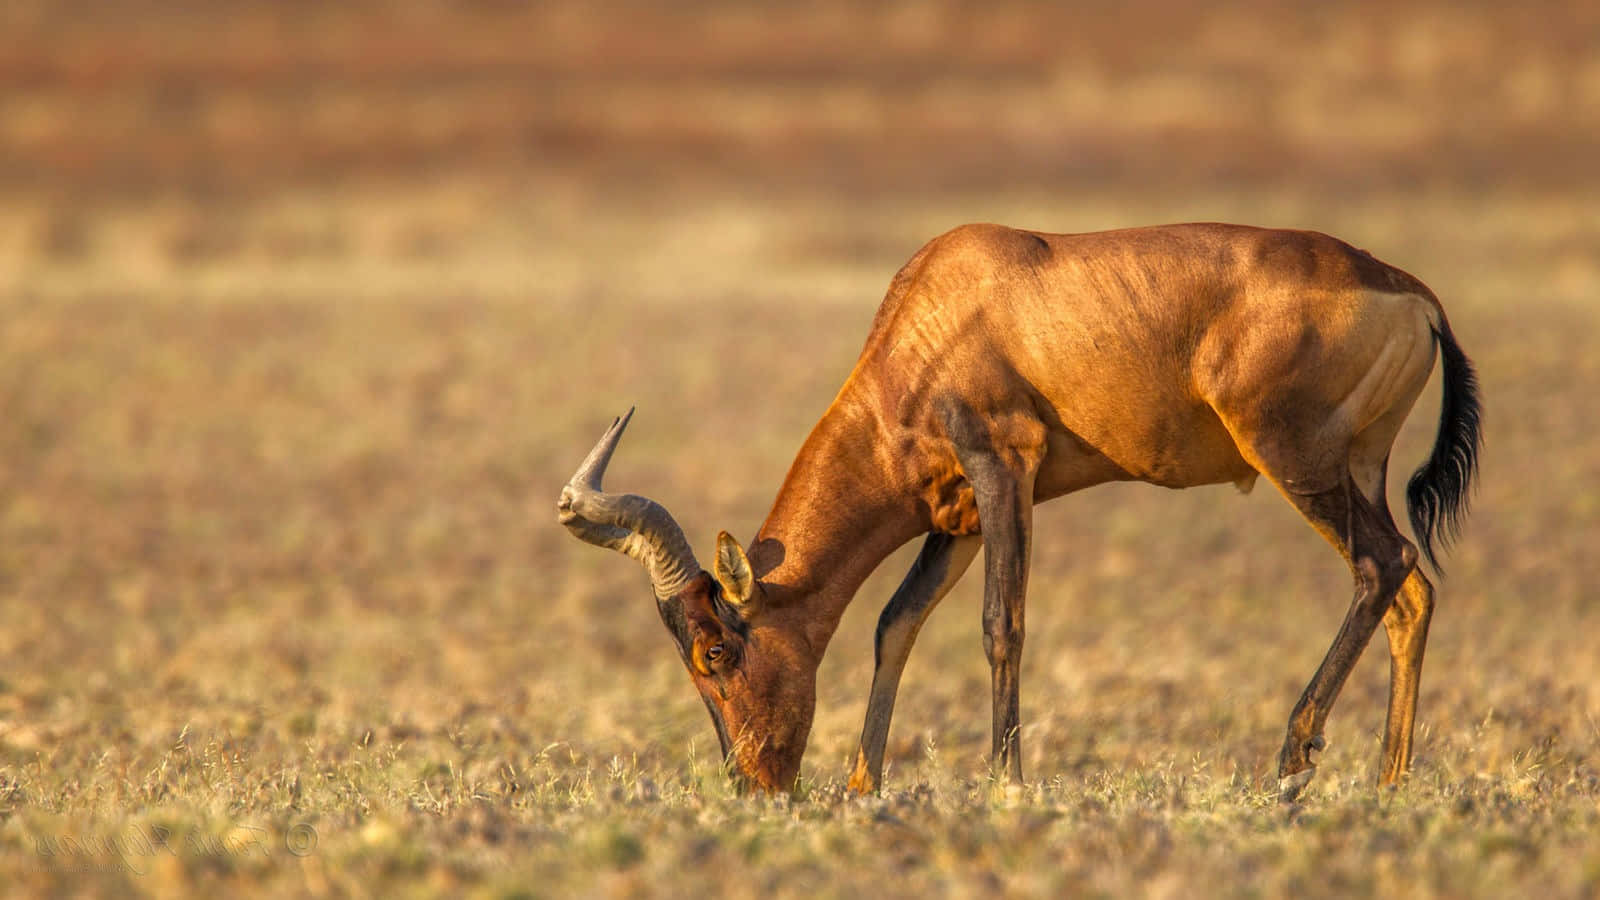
x,y
1381,560
938,567
1005,515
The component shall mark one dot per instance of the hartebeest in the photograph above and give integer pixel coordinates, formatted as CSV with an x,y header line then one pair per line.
x,y
1008,367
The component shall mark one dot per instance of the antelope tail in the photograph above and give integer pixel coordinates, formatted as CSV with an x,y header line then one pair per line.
x,y
1437,494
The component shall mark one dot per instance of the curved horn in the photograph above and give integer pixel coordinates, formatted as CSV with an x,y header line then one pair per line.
x,y
628,523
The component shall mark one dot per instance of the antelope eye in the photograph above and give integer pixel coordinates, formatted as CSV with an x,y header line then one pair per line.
x,y
713,653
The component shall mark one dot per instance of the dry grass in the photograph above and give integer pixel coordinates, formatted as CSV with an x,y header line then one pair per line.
x,y
281,432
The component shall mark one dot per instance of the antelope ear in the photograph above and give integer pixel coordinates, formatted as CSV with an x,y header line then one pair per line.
x,y
733,572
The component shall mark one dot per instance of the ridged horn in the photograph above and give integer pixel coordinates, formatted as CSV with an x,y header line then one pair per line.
x,y
628,523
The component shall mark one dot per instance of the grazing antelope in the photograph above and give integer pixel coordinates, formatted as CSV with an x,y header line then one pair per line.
x,y
1007,367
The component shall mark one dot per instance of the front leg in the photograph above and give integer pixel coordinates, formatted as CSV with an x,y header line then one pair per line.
x,y
1007,523
1001,471
943,560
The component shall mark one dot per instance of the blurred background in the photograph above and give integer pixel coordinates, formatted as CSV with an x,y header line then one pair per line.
x,y
162,138
308,309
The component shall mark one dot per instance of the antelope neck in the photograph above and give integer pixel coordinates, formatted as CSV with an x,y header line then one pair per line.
x,y
839,513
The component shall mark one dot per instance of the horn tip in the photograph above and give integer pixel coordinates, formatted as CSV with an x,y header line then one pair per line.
x,y
620,423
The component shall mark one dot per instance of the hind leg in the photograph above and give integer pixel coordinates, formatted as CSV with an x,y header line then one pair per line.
x,y
1380,560
1406,624
1304,436
1407,627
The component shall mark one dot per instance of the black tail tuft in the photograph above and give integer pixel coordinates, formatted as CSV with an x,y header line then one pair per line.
x,y
1438,491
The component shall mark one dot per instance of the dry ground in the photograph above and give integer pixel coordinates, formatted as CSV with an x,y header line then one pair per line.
x,y
300,335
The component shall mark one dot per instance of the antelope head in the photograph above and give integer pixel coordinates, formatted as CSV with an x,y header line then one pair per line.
x,y
757,677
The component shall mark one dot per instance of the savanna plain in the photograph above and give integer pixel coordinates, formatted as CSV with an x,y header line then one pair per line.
x,y
307,312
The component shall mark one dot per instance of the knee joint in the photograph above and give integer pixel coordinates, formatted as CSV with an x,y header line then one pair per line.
x,y
1381,580
1001,640
1408,556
